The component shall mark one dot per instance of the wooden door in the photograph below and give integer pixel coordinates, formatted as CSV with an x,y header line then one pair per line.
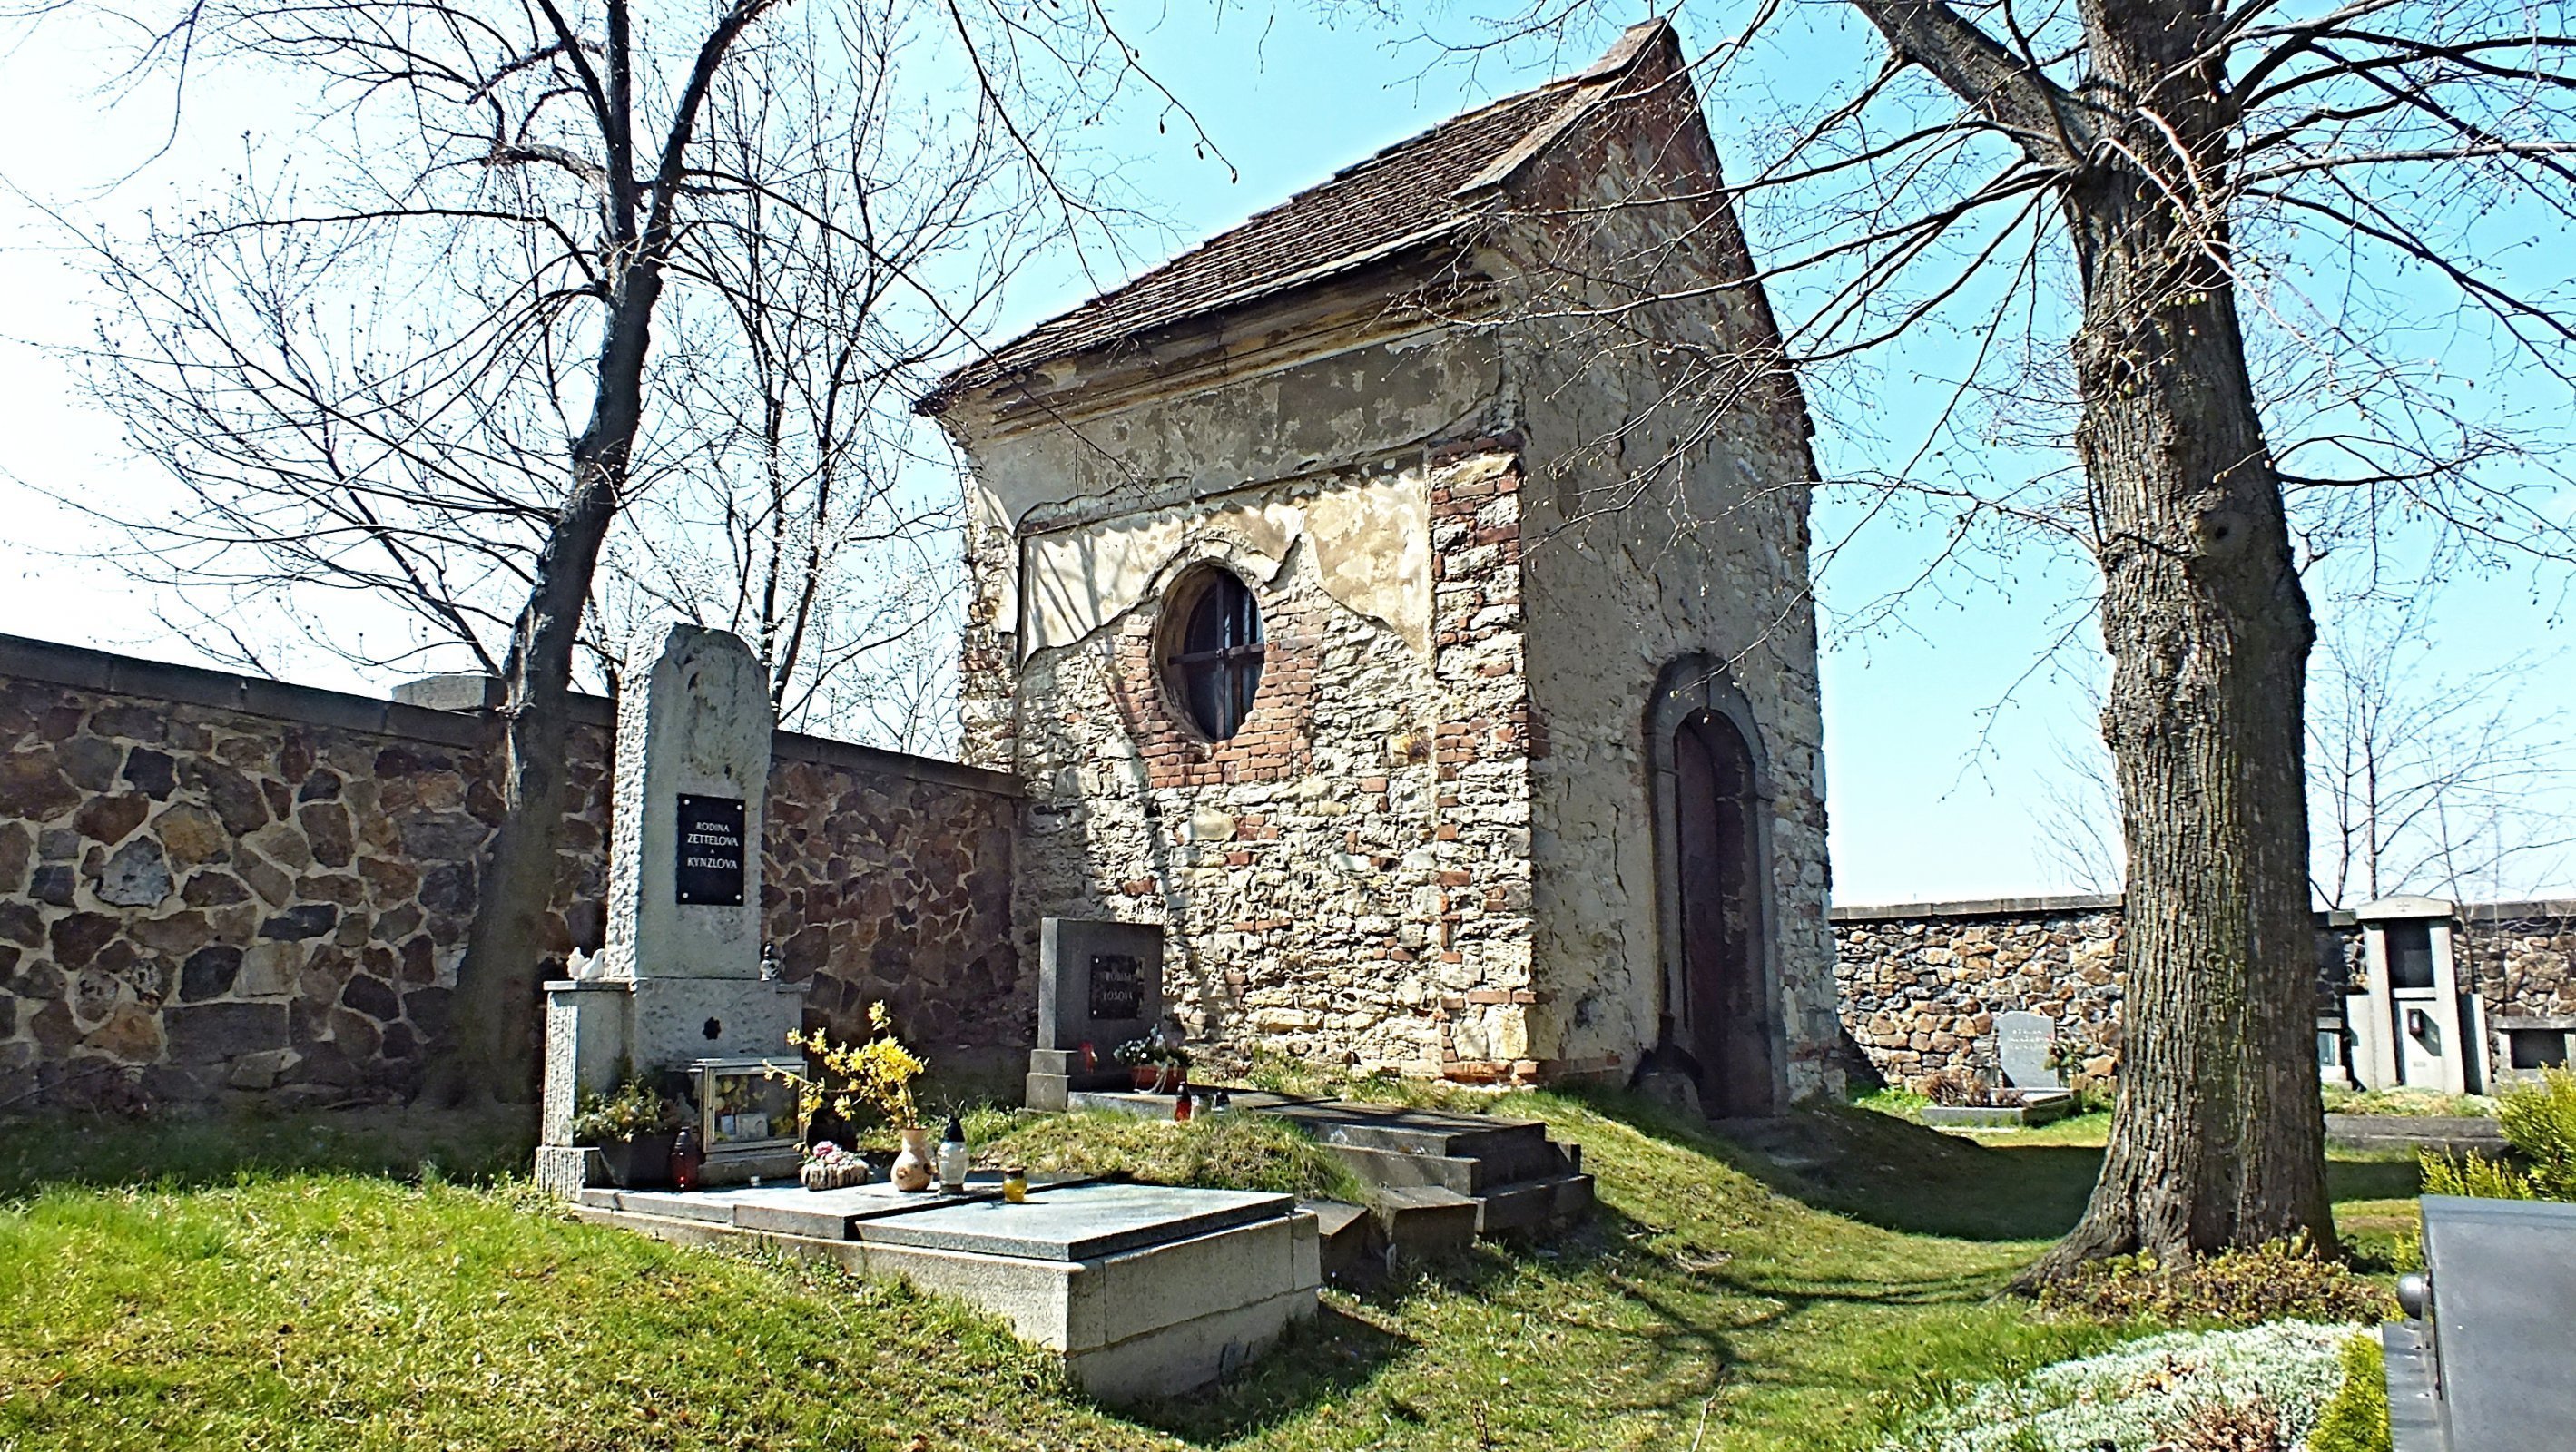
x,y
1726,1020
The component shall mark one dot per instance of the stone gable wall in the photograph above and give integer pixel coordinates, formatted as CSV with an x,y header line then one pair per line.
x,y
1667,521
1347,879
216,887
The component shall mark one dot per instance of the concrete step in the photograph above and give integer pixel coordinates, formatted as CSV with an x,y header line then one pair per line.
x,y
1466,1174
1534,1204
1350,1241
1438,1179
1425,1222
1411,1131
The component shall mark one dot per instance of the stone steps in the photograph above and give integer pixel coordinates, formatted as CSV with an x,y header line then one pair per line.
x,y
1534,1205
1438,1180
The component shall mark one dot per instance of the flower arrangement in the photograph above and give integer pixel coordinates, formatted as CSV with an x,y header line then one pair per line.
x,y
1136,1053
635,1110
830,1167
1159,1063
877,1073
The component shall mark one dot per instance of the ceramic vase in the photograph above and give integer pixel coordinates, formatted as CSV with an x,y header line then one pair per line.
x,y
912,1166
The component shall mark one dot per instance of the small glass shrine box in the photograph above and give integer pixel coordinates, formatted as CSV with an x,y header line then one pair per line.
x,y
746,1107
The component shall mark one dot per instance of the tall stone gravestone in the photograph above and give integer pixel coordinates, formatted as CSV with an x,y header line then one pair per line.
x,y
1099,984
2023,1042
679,978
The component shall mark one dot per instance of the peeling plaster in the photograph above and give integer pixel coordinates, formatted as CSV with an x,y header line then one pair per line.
x,y
1370,540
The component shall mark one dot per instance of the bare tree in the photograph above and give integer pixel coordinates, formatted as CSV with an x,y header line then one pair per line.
x,y
2419,779
2426,781
2139,178
2077,829
800,508
412,360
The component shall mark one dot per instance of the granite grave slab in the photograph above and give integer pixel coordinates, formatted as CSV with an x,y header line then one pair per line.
x,y
1145,1290
2023,1043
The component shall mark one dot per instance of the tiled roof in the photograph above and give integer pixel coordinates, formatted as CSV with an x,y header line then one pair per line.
x,y
1403,196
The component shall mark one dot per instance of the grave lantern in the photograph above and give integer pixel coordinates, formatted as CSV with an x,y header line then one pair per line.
x,y
746,1108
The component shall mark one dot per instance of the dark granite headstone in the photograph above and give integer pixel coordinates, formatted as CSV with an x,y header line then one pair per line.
x,y
2023,1041
2495,1331
1099,983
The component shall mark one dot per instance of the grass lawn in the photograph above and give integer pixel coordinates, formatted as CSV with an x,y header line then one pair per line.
x,y
279,1288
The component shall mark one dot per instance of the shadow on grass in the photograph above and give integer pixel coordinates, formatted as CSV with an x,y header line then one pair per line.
x,y
1675,1316
1675,1354
176,1151
1903,1176
1326,1359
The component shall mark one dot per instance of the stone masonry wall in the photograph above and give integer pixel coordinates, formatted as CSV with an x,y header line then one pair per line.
x,y
1347,877
1920,983
215,887
2520,955
888,878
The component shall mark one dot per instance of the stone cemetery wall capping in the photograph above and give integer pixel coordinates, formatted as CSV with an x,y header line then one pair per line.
x,y
216,887
1921,983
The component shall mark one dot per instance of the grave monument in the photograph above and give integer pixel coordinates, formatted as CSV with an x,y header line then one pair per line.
x,y
2024,1042
678,993
1100,984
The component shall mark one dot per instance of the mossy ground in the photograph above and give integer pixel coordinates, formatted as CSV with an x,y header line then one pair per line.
x,y
300,1284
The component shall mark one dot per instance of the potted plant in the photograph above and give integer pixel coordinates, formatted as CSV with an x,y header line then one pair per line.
x,y
632,1128
878,1074
1138,1056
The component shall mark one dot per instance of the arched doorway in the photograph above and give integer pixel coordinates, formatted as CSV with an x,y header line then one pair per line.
x,y
1723,1013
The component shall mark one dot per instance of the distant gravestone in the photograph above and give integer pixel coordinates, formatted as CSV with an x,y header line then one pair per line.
x,y
1099,983
2024,1041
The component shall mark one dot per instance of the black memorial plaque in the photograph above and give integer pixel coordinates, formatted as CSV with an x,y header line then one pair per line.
x,y
711,851
1117,986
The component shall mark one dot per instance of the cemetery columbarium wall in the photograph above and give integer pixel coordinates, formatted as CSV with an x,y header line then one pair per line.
x,y
217,887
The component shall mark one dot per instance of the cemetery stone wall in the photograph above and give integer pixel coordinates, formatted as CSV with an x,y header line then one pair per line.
x,y
2519,955
1921,983
216,888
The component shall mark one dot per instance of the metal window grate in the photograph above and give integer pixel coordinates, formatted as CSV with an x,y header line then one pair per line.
x,y
1217,655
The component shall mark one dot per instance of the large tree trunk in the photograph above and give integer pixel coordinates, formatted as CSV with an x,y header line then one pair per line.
x,y
2217,1139
493,1053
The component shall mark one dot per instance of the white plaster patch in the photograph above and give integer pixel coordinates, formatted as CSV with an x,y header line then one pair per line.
x,y
1371,542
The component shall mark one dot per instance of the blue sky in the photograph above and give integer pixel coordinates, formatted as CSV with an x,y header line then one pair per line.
x,y
1947,728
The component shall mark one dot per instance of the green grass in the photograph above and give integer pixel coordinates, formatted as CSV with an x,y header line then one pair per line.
x,y
1720,1298
2408,1103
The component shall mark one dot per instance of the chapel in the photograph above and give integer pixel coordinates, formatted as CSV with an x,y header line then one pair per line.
x,y
1402,599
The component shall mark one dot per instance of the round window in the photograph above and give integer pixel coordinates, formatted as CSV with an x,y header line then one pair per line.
x,y
1212,651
